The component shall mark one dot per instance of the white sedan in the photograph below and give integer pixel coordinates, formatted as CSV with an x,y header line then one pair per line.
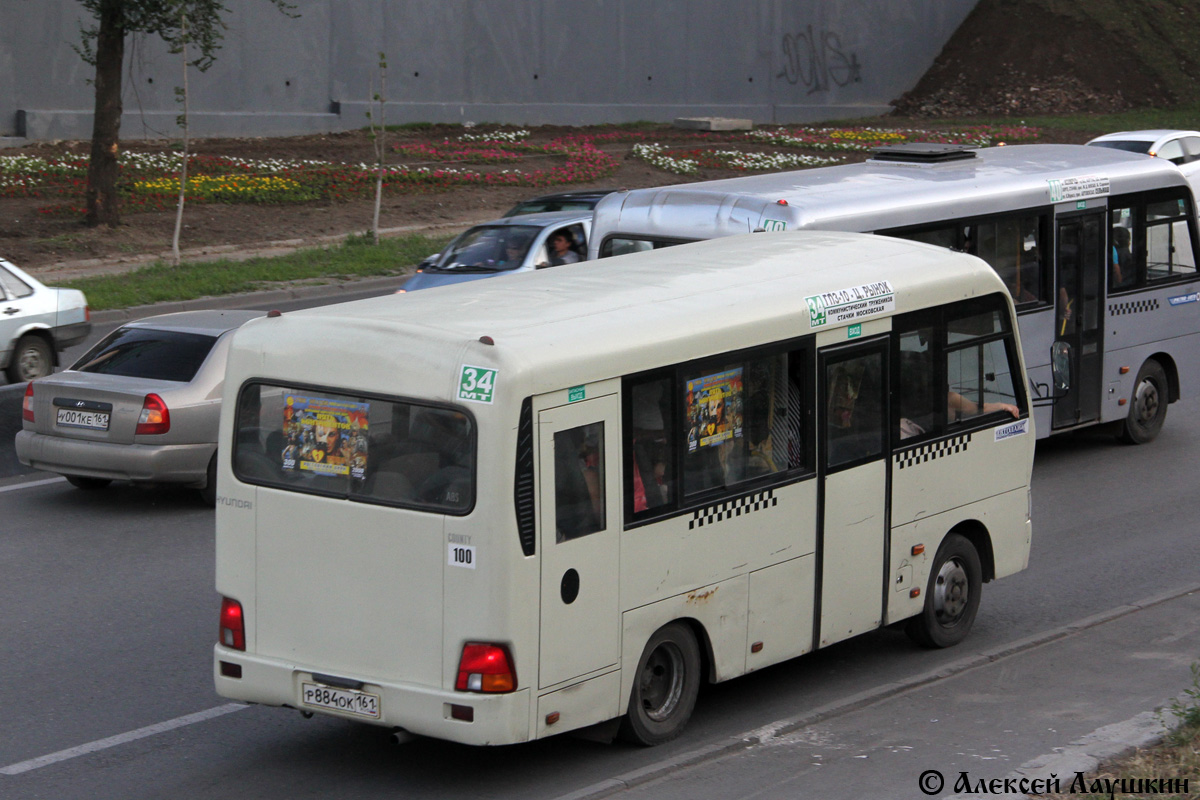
x,y
1181,148
36,322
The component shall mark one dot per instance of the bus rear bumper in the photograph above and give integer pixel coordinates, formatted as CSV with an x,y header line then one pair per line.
x,y
422,710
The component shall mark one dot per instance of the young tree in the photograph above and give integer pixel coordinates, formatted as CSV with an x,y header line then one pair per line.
x,y
378,134
181,94
104,48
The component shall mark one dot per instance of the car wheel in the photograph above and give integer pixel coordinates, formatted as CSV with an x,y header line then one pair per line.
x,y
1148,406
952,596
208,495
664,687
31,358
87,484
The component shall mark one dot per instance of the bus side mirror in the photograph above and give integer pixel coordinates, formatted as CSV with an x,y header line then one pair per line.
x,y
1060,366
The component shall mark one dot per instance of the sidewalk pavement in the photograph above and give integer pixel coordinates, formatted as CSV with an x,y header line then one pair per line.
x,y
1042,709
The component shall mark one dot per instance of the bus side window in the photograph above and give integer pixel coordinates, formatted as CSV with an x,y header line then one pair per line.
x,y
854,421
979,370
579,481
1168,241
650,460
1012,246
1122,266
918,406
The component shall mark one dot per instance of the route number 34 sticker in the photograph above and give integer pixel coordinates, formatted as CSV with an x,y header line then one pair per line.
x,y
477,384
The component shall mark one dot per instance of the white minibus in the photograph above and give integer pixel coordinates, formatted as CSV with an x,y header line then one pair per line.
x,y
1097,246
508,509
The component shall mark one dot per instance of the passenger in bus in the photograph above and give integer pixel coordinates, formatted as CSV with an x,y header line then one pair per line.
x,y
578,498
959,407
1122,275
1022,280
1065,310
651,485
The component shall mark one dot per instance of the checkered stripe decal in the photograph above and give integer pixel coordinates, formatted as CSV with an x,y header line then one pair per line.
x,y
710,515
1132,307
933,450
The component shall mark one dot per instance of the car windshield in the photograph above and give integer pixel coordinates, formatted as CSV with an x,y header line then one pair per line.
x,y
1127,145
488,248
148,353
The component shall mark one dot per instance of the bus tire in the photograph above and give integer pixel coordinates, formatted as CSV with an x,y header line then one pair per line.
x,y
951,596
1148,406
664,687
87,484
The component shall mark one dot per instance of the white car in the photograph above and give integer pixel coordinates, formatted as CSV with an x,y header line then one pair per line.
x,y
36,322
1179,147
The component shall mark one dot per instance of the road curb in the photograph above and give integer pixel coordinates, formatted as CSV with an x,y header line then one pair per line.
x,y
1098,745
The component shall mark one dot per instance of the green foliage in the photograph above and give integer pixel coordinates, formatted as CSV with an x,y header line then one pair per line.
x,y
163,18
1186,711
1161,34
161,282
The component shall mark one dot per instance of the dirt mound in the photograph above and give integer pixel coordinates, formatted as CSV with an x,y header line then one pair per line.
x,y
1043,56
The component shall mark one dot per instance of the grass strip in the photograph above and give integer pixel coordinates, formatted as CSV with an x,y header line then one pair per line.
x,y
161,282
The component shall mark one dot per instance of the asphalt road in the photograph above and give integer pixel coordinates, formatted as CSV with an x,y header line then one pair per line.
x,y
110,615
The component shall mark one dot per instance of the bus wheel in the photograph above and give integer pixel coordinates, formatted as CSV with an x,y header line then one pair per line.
x,y
952,596
664,688
1148,407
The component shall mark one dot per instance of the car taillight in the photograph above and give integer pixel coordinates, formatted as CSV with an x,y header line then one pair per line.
x,y
27,404
485,668
233,625
155,417
87,313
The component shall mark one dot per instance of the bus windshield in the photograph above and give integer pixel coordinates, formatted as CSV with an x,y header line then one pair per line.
x,y
368,449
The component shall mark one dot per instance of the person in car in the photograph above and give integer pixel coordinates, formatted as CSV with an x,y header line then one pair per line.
x,y
561,252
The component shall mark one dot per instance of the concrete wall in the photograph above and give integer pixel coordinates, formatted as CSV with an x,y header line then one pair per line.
x,y
567,62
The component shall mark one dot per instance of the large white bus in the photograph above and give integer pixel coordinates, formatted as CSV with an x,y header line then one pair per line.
x,y
1098,248
494,513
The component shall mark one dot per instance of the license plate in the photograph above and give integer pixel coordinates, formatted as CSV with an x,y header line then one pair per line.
x,y
350,701
73,418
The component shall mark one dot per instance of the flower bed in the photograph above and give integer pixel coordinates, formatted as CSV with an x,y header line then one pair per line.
x,y
149,181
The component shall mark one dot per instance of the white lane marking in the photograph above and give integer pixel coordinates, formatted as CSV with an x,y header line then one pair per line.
x,y
121,738
30,484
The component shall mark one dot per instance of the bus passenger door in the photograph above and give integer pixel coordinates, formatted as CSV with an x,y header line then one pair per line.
x,y
1077,321
578,539
854,483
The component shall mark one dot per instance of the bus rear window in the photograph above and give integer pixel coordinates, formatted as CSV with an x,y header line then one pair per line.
x,y
367,449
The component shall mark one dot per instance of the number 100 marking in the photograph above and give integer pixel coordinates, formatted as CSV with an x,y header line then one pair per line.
x,y
462,555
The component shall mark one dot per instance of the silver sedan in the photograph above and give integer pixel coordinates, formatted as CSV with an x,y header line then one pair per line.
x,y
142,405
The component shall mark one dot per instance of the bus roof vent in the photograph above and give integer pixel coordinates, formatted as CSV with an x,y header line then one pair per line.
x,y
922,153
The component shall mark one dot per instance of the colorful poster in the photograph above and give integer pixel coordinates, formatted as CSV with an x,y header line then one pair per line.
x,y
714,409
325,436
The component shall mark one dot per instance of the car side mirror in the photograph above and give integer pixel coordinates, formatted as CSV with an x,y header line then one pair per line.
x,y
1060,366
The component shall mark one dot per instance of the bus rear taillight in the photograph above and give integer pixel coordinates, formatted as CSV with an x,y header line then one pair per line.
x,y
233,625
27,404
485,668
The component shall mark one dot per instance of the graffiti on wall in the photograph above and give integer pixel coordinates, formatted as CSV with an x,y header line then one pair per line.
x,y
817,60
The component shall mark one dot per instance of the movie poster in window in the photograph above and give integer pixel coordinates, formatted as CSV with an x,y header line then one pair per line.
x,y
714,409
324,436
